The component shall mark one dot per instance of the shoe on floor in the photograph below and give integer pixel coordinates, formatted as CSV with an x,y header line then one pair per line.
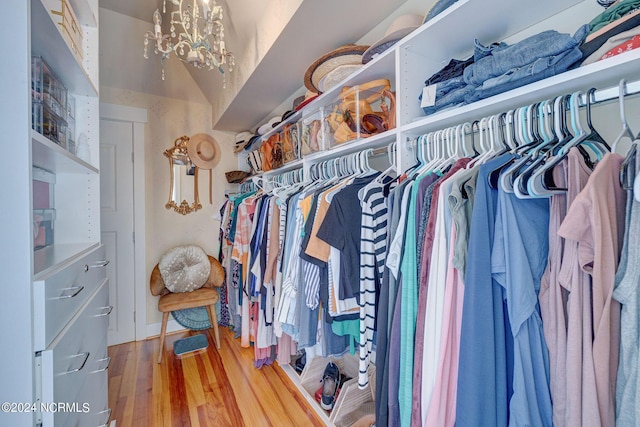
x,y
330,381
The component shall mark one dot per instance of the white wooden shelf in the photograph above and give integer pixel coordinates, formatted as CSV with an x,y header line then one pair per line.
x,y
296,164
48,43
48,155
374,141
451,33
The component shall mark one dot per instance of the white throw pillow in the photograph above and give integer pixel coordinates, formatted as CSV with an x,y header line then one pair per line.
x,y
184,268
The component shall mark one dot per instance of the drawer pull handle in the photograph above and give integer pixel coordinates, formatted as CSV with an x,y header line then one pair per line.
x,y
106,411
109,309
98,264
84,362
76,290
108,359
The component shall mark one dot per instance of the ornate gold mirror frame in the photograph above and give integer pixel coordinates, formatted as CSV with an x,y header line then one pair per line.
x,y
179,158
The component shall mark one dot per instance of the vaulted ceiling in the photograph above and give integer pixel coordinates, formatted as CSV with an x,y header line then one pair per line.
x,y
274,41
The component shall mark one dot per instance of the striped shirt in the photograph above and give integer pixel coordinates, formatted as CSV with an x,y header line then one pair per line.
x,y
373,252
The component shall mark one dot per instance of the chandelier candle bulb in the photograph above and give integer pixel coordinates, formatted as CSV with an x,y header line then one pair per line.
x,y
157,20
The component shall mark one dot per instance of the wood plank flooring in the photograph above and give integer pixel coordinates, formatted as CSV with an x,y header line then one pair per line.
x,y
208,388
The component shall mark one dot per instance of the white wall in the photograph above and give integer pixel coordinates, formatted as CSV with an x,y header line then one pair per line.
x,y
169,118
122,64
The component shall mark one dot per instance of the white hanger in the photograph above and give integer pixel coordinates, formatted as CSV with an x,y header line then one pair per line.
x,y
391,156
626,131
508,120
444,157
506,177
427,153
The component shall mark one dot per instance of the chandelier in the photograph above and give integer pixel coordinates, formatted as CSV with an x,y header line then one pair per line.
x,y
197,36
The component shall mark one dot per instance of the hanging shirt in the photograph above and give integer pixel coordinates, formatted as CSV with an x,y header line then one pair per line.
x,y
287,304
421,403
341,230
433,324
373,252
282,227
596,221
442,408
396,249
553,301
518,260
396,255
484,379
316,247
270,274
386,313
241,249
461,204
627,292
409,303
578,404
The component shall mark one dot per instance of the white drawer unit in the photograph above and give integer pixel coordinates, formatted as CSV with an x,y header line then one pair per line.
x,y
75,363
57,297
93,395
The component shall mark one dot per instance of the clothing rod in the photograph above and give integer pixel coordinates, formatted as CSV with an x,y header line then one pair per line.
x,y
602,95
599,96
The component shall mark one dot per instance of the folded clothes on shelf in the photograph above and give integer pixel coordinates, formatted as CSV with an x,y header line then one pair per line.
x,y
611,44
501,67
504,58
615,12
596,40
542,68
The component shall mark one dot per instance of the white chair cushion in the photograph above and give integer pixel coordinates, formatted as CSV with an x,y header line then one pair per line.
x,y
184,268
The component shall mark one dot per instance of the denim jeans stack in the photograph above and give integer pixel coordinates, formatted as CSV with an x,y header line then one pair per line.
x,y
501,67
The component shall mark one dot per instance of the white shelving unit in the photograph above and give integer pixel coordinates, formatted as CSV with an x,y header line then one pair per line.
x,y
55,315
425,51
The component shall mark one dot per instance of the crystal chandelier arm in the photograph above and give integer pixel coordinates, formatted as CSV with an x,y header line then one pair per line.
x,y
203,45
159,40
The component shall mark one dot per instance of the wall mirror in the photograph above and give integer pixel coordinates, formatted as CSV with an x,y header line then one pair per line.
x,y
183,178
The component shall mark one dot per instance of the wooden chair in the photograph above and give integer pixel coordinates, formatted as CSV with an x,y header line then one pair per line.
x,y
206,296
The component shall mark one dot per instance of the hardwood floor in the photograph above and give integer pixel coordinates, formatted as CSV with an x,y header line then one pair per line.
x,y
208,388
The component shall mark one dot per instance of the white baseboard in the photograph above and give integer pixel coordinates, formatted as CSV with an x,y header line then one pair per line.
x,y
154,329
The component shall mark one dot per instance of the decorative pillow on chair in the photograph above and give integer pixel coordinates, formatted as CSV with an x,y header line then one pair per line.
x,y
184,268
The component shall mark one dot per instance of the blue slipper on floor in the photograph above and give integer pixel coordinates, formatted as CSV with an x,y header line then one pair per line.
x,y
189,344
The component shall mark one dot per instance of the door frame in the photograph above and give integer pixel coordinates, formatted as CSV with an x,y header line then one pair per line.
x,y
138,118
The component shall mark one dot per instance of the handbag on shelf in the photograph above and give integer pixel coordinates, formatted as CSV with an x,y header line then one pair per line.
x,y
289,132
277,154
272,155
363,110
266,155
309,143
